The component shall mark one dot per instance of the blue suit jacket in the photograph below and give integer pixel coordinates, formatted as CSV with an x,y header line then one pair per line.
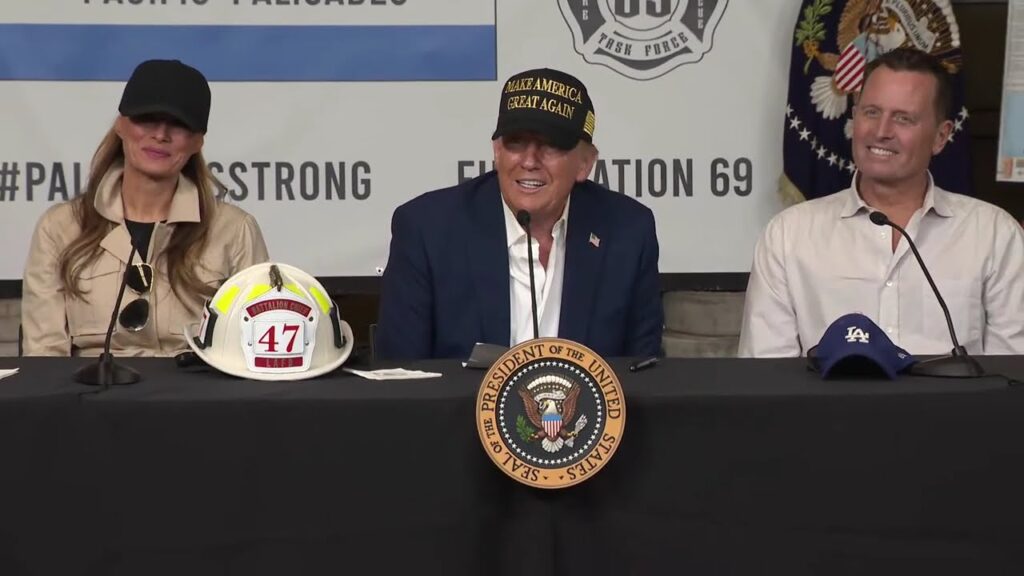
x,y
446,285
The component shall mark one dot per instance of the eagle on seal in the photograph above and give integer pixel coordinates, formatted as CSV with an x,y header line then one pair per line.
x,y
550,408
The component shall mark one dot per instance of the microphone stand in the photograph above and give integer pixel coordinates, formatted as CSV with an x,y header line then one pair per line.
x,y
958,363
105,372
523,217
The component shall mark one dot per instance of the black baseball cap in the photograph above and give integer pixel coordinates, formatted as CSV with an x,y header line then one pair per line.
x,y
549,102
169,87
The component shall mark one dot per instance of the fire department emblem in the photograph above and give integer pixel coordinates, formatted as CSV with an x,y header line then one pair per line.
x,y
642,39
550,413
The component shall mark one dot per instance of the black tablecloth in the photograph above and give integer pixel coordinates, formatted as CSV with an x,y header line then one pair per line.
x,y
726,467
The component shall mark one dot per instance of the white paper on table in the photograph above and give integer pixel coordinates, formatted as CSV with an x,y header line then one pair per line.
x,y
393,374
6,373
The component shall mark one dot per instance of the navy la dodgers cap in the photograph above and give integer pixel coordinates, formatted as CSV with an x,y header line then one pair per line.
x,y
854,345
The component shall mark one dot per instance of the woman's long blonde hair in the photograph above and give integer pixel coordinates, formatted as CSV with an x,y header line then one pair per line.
x,y
187,242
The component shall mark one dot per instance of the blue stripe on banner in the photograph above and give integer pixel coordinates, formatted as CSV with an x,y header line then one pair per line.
x,y
251,53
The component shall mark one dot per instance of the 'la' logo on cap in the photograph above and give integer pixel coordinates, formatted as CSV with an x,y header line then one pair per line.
x,y
854,334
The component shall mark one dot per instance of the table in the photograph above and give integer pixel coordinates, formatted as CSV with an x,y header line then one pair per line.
x,y
726,466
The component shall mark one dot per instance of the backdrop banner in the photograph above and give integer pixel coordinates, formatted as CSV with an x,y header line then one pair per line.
x,y
328,114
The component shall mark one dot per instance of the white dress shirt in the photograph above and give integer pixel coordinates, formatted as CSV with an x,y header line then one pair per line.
x,y
547,280
824,258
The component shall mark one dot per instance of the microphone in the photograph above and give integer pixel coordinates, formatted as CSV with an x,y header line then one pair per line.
x,y
105,372
523,217
958,364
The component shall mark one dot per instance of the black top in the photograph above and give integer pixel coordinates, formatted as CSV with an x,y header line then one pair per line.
x,y
141,233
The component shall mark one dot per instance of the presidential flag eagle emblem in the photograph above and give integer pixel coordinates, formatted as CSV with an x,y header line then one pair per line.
x,y
866,30
833,42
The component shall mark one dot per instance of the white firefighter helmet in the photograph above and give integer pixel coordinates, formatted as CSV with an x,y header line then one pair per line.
x,y
271,322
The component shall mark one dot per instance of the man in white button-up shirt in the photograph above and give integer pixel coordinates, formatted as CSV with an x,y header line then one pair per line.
x,y
458,271
547,278
824,258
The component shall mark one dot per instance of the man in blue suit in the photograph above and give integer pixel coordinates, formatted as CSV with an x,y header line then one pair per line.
x,y
458,271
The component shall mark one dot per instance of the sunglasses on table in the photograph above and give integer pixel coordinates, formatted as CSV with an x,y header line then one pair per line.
x,y
135,316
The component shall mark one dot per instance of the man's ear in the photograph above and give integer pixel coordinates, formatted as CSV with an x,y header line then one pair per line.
x,y
942,136
589,152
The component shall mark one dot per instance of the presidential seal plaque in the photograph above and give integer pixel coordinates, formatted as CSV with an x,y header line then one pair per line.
x,y
550,413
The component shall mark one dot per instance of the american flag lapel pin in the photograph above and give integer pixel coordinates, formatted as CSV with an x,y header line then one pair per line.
x,y
594,240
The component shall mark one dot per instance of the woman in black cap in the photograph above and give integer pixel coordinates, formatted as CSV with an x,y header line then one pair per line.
x,y
149,214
